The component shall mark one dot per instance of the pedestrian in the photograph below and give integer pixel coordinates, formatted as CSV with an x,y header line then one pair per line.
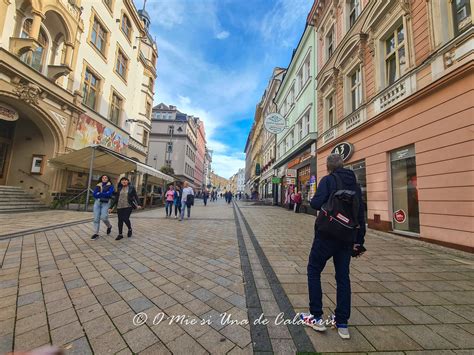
x,y
298,200
338,236
126,200
169,197
103,192
187,200
177,201
205,196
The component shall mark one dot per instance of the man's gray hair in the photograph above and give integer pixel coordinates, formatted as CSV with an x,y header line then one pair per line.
x,y
334,161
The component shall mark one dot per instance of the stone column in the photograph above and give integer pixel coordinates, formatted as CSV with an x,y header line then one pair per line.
x,y
68,55
36,24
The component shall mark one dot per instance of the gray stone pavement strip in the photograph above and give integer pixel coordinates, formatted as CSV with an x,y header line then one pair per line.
x,y
396,305
58,285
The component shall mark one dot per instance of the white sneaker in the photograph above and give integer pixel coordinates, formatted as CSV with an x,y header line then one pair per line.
x,y
311,321
343,332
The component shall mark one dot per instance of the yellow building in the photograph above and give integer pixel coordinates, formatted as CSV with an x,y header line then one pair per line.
x,y
72,75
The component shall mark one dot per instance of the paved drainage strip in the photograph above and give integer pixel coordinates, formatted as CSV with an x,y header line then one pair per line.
x,y
297,332
258,332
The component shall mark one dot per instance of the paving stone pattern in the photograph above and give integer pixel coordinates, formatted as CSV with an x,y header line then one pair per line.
x,y
57,286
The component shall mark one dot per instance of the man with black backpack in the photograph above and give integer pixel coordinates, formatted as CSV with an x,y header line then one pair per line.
x,y
187,200
339,233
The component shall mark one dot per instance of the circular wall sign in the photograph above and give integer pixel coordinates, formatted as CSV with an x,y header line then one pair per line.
x,y
344,149
400,216
275,123
7,113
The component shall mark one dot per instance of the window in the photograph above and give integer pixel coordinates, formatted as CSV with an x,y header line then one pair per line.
x,y
36,58
145,138
170,130
300,130
330,110
126,26
307,123
150,83
354,11
121,65
148,109
108,3
169,147
330,43
306,71
90,89
395,59
356,89
461,15
98,36
299,80
115,108
292,139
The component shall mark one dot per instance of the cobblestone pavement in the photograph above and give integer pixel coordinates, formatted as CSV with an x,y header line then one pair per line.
x,y
57,286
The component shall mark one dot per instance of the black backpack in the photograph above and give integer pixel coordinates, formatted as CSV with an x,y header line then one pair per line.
x,y
338,216
190,200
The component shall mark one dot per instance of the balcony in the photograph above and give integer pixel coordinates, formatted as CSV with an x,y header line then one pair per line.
x,y
330,134
137,146
353,120
57,71
395,93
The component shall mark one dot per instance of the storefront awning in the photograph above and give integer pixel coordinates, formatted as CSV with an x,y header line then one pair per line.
x,y
106,161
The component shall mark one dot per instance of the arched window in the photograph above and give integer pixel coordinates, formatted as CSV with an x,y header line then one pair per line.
x,y
37,58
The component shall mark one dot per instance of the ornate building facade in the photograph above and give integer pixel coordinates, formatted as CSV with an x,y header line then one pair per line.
x,y
66,83
394,89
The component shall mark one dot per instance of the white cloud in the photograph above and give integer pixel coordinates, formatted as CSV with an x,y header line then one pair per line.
x,y
222,35
184,100
226,165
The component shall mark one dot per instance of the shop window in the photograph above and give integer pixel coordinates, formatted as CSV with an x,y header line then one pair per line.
x,y
359,170
37,58
303,182
115,108
395,59
404,190
461,15
90,89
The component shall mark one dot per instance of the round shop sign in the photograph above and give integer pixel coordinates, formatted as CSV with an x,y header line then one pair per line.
x,y
7,113
275,123
400,216
344,149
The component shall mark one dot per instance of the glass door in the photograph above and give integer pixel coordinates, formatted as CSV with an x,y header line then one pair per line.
x,y
6,135
359,170
404,190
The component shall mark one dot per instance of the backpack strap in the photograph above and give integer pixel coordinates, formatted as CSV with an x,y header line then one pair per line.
x,y
339,184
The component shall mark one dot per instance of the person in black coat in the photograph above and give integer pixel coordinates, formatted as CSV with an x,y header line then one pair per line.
x,y
324,247
126,200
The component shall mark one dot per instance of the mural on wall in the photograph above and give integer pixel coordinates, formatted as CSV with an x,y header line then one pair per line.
x,y
89,131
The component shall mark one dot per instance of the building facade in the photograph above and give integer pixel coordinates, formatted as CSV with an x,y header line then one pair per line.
x,y
241,181
199,178
394,89
296,145
249,168
269,139
173,142
207,167
65,84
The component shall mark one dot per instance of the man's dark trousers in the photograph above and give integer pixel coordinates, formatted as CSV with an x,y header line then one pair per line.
x,y
322,250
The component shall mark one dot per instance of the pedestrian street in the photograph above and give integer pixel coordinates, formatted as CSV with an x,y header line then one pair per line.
x,y
230,280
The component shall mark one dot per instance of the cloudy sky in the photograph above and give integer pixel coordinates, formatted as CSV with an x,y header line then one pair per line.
x,y
216,58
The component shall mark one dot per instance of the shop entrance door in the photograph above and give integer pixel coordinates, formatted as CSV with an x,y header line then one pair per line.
x,y
6,138
404,190
359,170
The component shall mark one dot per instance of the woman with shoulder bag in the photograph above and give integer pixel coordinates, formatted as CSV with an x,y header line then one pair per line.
x,y
103,192
126,200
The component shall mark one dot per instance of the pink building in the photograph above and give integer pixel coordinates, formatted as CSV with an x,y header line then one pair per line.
x,y
199,180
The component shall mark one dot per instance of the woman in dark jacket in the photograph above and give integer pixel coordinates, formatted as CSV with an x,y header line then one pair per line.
x,y
177,201
126,200
103,192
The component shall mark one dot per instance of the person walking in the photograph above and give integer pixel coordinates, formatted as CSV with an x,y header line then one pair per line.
x,y
126,200
169,200
298,200
205,196
187,200
338,235
177,201
103,192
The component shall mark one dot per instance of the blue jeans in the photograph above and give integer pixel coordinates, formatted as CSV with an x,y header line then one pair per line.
x,y
101,213
184,207
169,207
321,251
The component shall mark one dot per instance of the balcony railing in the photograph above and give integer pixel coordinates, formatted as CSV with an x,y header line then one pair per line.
x,y
330,134
136,145
354,119
395,93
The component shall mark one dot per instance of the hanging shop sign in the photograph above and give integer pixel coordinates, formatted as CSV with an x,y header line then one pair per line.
x,y
290,173
400,216
290,181
7,113
344,149
276,180
275,123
